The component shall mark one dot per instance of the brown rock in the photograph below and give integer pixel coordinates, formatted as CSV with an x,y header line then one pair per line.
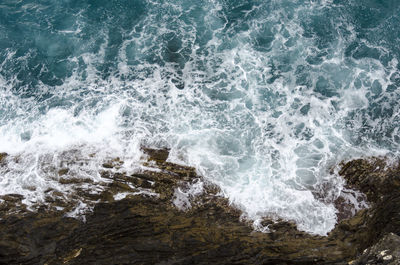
x,y
63,171
151,230
2,158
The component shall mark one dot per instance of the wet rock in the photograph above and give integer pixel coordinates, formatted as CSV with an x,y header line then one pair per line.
x,y
74,180
386,251
158,155
12,197
381,183
372,176
145,227
113,163
63,171
2,158
108,165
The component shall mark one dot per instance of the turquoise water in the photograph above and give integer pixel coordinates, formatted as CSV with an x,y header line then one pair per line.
x,y
263,97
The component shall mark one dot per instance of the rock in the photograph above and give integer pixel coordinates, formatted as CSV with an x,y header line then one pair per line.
x,y
63,171
381,183
75,180
385,251
2,158
113,163
145,227
108,165
12,197
372,176
158,155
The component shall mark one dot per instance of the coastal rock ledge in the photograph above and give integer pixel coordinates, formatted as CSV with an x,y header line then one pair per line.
x,y
135,220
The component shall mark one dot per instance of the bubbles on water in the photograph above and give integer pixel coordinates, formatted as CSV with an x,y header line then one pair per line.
x,y
262,98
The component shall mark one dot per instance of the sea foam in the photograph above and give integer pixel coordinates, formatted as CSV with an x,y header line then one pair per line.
x,y
264,99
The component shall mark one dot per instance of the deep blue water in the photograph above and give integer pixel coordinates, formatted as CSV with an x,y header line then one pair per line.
x,y
263,97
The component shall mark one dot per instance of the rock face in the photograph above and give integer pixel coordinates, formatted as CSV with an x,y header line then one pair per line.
x,y
381,223
386,251
135,220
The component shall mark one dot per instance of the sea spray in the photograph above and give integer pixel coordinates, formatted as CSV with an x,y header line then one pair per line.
x,y
264,98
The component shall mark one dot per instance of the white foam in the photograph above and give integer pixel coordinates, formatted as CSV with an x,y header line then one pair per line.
x,y
183,195
79,211
147,192
252,136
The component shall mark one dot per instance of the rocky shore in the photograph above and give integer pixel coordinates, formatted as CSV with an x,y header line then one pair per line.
x,y
150,217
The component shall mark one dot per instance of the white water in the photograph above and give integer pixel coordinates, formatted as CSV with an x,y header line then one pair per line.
x,y
268,145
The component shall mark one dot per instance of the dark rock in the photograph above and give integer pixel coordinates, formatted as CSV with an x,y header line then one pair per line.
x,y
74,180
386,251
3,158
143,228
113,163
381,183
108,165
158,155
63,171
12,197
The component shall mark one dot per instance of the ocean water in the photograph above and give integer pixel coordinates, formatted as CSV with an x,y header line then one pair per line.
x,y
263,97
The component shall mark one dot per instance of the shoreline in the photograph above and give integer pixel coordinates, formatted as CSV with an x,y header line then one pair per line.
x,y
135,220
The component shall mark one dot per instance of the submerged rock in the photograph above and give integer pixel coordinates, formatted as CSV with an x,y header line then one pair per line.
x,y
135,220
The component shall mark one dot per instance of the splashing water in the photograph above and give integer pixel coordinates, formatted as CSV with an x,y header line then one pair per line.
x,y
262,97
